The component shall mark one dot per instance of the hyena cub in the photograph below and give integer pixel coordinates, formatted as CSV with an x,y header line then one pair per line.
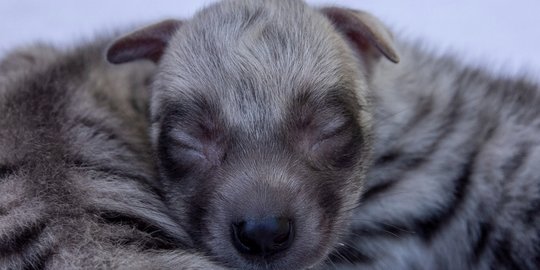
x,y
262,125
76,172
267,116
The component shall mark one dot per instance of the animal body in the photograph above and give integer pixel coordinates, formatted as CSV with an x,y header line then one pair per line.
x,y
76,171
287,139
454,182
261,124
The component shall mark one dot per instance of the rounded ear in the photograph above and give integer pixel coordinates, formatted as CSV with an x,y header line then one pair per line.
x,y
146,43
363,30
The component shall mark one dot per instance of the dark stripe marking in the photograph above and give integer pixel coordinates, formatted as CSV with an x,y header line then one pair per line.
x,y
388,157
39,261
385,230
6,170
108,134
376,190
21,238
159,240
348,255
428,228
503,254
410,161
532,214
483,240
145,184
512,166
509,169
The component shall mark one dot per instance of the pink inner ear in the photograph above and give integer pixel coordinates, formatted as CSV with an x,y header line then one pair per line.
x,y
349,25
359,42
147,43
128,50
363,31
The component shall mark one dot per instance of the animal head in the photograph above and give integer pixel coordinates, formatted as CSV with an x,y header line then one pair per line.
x,y
262,126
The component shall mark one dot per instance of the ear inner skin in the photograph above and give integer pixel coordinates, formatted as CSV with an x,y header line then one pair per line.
x,y
147,43
363,30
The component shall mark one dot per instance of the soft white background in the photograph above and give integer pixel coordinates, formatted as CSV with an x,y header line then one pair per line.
x,y
500,35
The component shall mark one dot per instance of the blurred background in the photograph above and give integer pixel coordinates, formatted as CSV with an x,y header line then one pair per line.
x,y
500,35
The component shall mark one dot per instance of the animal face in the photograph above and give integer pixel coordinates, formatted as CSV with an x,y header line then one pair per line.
x,y
261,125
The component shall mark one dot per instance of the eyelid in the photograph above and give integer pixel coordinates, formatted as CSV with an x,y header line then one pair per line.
x,y
186,140
334,128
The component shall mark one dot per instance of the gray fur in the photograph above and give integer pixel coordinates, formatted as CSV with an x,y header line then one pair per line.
x,y
76,170
249,73
246,95
454,183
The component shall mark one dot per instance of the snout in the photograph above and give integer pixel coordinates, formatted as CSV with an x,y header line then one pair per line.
x,y
264,220
263,237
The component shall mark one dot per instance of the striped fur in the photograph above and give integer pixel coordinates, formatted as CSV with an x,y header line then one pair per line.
x,y
454,183
245,88
76,173
451,184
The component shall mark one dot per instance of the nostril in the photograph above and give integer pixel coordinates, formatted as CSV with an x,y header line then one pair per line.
x,y
283,237
242,242
263,237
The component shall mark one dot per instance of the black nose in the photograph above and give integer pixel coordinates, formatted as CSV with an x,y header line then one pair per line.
x,y
263,237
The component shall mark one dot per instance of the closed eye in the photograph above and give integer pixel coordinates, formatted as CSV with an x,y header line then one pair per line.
x,y
186,141
334,128
186,147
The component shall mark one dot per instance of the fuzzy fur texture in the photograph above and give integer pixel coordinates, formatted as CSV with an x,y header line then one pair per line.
x,y
76,173
244,95
268,108
259,111
454,183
